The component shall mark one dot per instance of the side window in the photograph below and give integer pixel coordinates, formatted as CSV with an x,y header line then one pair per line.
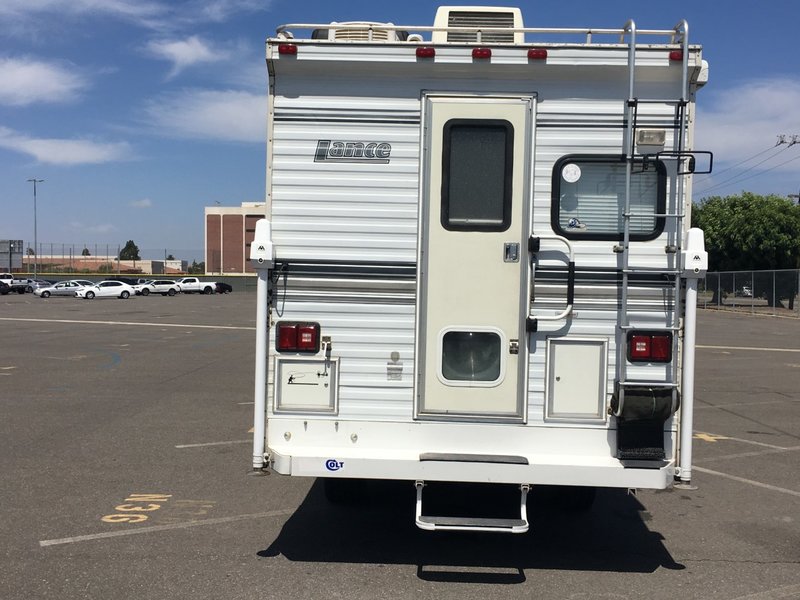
x,y
477,166
589,198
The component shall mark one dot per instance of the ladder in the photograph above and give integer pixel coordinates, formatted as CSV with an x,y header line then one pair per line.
x,y
672,215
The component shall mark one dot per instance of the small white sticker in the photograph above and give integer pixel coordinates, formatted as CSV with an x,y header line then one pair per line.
x,y
571,173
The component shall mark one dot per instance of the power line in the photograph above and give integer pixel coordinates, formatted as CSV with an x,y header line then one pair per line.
x,y
781,141
746,160
756,174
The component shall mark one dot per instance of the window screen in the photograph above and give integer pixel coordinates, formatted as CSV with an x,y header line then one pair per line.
x,y
589,198
476,175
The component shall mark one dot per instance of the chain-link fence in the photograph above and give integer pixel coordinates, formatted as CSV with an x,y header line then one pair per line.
x,y
73,258
762,292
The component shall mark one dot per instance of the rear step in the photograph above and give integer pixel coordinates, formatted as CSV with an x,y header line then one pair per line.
x,y
433,523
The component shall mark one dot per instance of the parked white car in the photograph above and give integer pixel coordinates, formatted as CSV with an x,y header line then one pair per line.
x,y
165,287
107,289
63,288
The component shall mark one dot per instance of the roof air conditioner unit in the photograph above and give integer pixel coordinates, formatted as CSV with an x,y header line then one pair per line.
x,y
359,31
494,17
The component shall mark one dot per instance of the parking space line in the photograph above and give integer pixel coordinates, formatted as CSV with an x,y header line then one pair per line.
x,y
751,348
787,592
766,486
154,528
713,437
747,454
228,443
737,404
80,322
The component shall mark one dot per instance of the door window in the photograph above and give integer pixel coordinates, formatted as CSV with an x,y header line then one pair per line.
x,y
476,175
471,356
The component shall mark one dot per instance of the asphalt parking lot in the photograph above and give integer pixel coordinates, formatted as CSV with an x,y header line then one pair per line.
x,y
125,474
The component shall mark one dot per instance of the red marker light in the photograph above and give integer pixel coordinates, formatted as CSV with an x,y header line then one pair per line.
x,y
426,52
537,53
482,53
676,55
290,49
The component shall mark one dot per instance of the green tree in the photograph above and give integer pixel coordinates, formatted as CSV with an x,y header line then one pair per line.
x,y
130,252
170,257
85,252
197,268
749,232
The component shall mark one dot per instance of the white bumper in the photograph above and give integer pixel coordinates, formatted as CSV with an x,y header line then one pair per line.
x,y
517,454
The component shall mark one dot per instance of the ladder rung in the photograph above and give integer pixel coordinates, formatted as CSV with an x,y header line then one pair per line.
x,y
654,270
648,384
633,101
674,215
664,329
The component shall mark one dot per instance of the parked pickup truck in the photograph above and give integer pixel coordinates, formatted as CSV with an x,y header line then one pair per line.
x,y
188,285
13,285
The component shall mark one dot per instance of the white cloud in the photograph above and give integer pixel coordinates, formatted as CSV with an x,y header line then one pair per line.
x,y
140,11
233,116
153,14
66,152
29,81
143,203
738,123
185,53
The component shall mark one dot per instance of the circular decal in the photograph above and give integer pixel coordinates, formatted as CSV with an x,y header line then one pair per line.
x,y
571,173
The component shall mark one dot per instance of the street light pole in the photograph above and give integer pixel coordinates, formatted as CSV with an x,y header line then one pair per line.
x,y
35,236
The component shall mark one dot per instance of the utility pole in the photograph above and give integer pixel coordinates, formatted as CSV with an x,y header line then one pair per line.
x,y
34,181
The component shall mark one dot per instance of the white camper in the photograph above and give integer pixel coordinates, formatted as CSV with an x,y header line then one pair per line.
x,y
475,263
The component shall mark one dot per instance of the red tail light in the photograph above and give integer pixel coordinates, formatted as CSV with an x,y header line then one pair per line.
x,y
287,48
537,53
676,55
650,346
661,348
297,337
426,52
481,53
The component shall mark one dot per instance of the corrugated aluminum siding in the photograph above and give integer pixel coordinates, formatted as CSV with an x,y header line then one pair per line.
x,y
367,213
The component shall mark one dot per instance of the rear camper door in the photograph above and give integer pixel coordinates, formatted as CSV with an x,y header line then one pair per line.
x,y
473,280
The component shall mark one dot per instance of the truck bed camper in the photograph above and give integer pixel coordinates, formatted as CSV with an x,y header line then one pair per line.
x,y
475,263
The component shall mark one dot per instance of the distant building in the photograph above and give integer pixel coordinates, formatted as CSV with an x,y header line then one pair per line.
x,y
229,231
73,263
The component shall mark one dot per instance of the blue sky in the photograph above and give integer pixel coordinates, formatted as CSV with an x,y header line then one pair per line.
x,y
138,113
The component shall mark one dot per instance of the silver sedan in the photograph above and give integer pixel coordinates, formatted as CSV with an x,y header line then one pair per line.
x,y
63,288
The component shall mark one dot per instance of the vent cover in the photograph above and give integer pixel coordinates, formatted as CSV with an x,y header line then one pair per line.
x,y
357,31
478,17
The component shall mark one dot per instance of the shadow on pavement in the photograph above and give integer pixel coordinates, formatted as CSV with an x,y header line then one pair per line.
x,y
380,529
